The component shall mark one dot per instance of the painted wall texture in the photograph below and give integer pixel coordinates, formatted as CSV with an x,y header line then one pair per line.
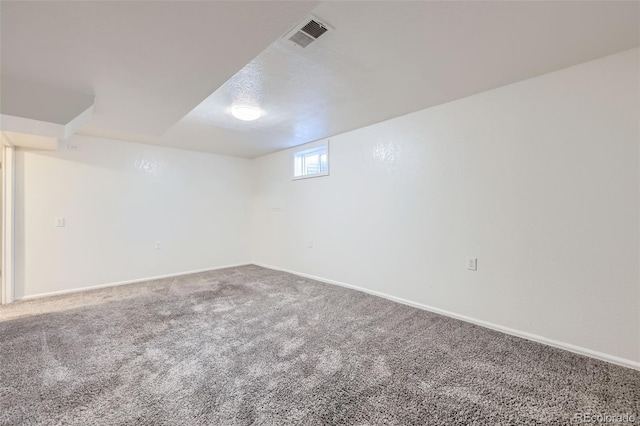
x,y
119,200
539,180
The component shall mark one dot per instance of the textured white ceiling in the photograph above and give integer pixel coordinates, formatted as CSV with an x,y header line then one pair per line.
x,y
148,63
384,59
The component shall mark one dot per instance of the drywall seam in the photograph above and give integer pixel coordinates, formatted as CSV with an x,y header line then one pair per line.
x,y
119,283
533,337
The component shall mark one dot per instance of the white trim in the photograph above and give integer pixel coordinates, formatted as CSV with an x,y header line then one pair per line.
x,y
315,175
8,222
119,283
534,337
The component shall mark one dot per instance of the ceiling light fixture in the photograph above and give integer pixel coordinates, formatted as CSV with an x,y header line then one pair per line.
x,y
246,112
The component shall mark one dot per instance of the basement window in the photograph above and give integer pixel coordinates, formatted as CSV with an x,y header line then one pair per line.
x,y
311,162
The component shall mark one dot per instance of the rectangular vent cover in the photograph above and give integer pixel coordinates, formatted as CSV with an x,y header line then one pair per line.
x,y
301,39
308,33
314,29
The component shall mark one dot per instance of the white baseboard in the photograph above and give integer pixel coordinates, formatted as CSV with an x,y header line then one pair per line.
x,y
534,337
138,280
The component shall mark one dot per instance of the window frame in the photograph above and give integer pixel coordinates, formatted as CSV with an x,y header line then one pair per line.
x,y
310,149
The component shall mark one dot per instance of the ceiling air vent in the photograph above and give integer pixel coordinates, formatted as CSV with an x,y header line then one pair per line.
x,y
307,33
314,29
301,39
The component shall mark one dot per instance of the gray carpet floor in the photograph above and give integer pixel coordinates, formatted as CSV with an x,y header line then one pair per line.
x,y
249,345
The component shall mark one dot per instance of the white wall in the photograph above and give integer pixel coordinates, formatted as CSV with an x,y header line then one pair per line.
x,y
539,180
118,199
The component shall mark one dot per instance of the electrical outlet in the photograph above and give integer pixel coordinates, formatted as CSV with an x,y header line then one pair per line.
x,y
310,244
472,263
60,222
158,245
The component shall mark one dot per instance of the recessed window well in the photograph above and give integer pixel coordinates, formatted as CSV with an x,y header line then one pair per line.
x,y
311,162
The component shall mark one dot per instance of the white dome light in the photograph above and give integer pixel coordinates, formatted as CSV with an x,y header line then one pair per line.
x,y
245,112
